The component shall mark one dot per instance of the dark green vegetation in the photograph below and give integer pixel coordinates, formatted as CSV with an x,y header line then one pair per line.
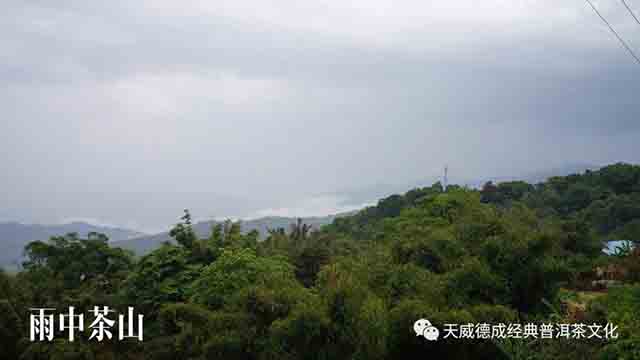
x,y
145,244
512,252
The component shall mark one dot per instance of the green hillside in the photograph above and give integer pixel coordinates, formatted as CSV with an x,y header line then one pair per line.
x,y
509,253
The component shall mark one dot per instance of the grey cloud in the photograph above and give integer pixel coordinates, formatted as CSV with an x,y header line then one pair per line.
x,y
120,111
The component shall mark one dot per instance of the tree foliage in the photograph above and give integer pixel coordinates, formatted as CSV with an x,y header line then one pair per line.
x,y
509,252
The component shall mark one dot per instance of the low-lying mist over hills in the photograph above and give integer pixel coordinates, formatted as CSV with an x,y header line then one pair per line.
x,y
14,235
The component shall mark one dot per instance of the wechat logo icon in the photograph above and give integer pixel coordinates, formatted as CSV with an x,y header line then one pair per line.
x,y
424,328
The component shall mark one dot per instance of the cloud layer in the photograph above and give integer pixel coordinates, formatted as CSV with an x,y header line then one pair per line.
x,y
130,111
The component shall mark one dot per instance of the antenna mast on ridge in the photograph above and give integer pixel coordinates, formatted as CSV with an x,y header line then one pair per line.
x,y
446,179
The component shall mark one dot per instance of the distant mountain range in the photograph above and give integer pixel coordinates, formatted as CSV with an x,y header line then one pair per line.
x,y
14,236
144,244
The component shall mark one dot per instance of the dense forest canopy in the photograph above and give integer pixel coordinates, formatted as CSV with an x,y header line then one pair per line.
x,y
510,252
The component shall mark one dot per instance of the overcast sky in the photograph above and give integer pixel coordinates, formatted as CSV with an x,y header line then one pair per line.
x,y
126,112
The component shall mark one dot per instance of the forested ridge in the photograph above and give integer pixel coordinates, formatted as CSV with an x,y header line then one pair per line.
x,y
510,252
